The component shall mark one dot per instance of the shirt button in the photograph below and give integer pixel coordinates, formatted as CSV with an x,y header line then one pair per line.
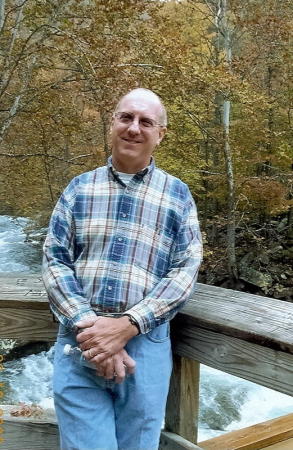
x,y
109,288
120,239
124,215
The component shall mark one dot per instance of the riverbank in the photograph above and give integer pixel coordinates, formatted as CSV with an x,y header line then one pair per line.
x,y
264,257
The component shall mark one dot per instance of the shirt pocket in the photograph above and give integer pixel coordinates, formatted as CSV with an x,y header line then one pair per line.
x,y
153,249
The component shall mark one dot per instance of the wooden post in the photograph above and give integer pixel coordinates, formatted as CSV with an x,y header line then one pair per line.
x,y
183,400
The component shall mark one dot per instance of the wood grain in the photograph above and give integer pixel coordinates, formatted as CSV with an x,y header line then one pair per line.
x,y
22,291
260,320
183,399
255,437
262,365
27,324
171,441
33,436
285,445
245,335
257,319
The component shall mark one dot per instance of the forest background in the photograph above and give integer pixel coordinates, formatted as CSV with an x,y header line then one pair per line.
x,y
222,68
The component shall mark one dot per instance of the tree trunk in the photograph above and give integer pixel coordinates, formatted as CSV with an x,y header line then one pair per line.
x,y
2,12
223,41
228,158
231,194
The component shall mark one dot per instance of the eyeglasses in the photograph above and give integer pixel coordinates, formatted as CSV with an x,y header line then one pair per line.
x,y
144,122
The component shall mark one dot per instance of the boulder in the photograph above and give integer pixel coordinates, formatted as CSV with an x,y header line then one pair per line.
x,y
255,277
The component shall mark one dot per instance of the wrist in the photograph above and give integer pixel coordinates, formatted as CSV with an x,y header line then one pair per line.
x,y
133,322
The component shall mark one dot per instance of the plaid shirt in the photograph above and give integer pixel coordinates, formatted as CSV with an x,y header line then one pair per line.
x,y
113,248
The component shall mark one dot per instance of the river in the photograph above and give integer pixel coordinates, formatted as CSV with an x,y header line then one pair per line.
x,y
226,402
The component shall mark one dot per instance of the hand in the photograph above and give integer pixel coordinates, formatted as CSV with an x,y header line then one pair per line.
x,y
117,366
105,336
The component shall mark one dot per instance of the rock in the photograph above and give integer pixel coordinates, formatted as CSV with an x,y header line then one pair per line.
x,y
290,236
283,293
288,254
252,276
283,224
276,248
14,348
7,345
222,407
264,259
247,259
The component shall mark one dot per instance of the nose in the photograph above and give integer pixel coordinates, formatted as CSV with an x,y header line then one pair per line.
x,y
134,126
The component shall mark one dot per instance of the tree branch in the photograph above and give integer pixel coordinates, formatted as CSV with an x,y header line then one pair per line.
x,y
31,155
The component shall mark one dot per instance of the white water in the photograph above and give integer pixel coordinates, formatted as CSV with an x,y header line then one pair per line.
x,y
20,249
226,402
224,396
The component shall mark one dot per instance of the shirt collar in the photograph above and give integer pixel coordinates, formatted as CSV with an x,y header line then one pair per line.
x,y
141,175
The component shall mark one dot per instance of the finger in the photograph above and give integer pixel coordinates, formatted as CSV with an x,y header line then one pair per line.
x,y
85,323
86,334
101,368
109,370
129,363
119,369
100,357
88,338
89,354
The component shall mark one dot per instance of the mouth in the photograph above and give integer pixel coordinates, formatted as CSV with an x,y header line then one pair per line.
x,y
131,141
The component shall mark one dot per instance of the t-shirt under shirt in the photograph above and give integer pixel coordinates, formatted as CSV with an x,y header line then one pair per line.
x,y
125,177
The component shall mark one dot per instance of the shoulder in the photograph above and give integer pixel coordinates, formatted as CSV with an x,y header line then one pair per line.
x,y
83,181
173,185
91,176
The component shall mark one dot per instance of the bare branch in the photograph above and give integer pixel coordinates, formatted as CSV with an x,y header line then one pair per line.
x,y
8,121
32,155
156,66
200,126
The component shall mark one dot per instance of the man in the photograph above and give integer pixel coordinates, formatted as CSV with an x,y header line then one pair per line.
x,y
121,257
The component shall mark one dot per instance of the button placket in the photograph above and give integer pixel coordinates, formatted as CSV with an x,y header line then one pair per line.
x,y
118,249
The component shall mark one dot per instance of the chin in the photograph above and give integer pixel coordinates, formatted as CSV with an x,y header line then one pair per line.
x,y
127,151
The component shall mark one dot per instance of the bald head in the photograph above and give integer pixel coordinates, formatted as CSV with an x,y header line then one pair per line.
x,y
146,93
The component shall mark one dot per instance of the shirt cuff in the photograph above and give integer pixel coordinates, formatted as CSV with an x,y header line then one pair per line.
x,y
90,314
145,322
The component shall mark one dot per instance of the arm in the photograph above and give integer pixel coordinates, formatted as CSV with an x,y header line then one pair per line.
x,y
66,297
174,289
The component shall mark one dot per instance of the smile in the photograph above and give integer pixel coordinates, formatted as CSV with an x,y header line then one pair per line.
x,y
131,141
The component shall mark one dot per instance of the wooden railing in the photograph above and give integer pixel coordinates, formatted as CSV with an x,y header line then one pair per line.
x,y
244,335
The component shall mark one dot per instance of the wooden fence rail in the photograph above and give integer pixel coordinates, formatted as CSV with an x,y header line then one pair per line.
x,y
245,335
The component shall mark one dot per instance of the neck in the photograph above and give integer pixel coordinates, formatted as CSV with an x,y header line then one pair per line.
x,y
129,166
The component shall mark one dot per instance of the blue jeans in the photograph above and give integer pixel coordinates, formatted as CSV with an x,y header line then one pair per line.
x,y
97,414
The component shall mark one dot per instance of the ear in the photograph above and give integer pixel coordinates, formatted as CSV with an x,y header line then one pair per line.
x,y
162,132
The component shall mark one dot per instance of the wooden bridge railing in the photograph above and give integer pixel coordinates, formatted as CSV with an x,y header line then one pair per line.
x,y
244,335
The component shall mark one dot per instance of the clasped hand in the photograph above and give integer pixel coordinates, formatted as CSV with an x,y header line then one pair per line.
x,y
102,341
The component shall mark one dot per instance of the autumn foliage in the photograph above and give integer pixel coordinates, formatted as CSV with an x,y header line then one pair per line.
x,y
64,65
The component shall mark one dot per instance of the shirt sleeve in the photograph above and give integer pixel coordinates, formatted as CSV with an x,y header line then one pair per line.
x,y
174,289
66,297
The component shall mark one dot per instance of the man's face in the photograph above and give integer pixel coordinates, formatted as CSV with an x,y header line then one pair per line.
x,y
133,141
